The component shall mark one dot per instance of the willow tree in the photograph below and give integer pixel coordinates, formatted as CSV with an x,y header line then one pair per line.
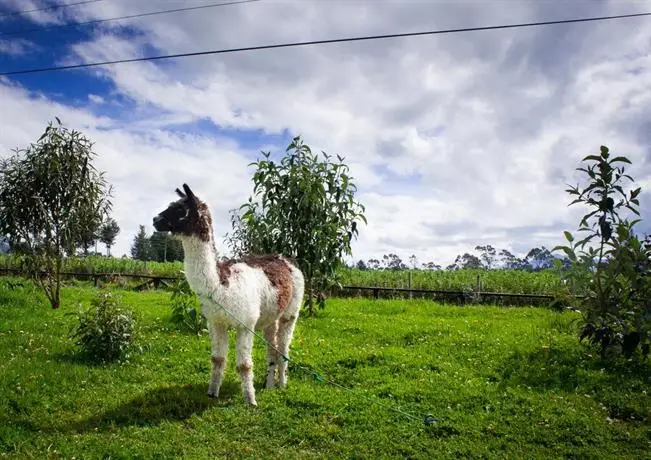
x,y
50,196
303,206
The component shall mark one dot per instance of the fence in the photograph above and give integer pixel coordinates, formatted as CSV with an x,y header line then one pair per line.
x,y
375,292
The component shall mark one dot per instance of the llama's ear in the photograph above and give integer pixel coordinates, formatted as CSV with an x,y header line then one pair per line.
x,y
188,192
180,193
191,199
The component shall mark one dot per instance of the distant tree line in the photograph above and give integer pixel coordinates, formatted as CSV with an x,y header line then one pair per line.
x,y
485,257
159,246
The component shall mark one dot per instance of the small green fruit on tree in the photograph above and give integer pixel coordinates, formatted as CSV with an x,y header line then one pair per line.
x,y
616,301
305,209
51,198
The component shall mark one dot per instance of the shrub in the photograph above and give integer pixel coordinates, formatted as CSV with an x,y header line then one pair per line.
x,y
186,308
615,275
106,330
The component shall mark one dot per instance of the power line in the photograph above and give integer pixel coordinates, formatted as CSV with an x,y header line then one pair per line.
x,y
121,18
316,42
51,7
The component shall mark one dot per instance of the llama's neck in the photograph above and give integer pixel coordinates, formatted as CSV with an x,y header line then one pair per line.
x,y
200,265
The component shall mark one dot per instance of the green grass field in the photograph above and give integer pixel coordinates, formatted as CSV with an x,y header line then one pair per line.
x,y
501,383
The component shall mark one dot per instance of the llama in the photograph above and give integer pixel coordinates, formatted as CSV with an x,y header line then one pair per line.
x,y
261,292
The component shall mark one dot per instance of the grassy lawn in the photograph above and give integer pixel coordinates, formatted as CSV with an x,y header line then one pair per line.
x,y
501,382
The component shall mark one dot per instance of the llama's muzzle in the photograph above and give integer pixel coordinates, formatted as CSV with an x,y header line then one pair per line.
x,y
161,224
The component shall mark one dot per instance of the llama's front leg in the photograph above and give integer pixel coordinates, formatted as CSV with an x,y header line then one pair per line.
x,y
219,338
245,364
285,334
272,354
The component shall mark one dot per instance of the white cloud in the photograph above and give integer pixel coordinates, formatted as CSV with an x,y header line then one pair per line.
x,y
16,47
95,98
455,140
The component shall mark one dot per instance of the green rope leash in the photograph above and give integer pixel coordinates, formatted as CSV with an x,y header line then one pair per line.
x,y
428,420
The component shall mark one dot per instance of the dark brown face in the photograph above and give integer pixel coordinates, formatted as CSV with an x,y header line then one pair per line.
x,y
188,216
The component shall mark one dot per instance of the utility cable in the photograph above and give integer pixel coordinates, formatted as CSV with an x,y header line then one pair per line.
x,y
315,42
51,7
122,18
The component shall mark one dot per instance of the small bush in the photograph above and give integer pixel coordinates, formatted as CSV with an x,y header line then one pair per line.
x,y
106,330
186,308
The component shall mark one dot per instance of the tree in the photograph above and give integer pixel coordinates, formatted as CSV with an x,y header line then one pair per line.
x,y
615,275
141,247
51,195
88,238
165,248
361,265
487,255
108,233
539,259
393,262
431,266
510,261
305,208
466,261
373,264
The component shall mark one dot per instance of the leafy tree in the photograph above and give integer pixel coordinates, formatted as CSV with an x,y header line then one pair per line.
x,y
141,247
616,302
50,196
306,209
361,265
431,266
539,259
413,261
108,233
487,255
373,264
393,262
510,261
164,247
466,261
88,238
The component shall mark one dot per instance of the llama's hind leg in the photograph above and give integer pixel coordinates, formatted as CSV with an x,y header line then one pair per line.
x,y
272,355
219,338
285,333
245,364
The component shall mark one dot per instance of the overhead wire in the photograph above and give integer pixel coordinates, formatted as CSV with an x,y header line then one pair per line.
x,y
122,18
317,42
51,7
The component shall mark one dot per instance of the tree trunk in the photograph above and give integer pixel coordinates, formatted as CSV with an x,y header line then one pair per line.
x,y
57,284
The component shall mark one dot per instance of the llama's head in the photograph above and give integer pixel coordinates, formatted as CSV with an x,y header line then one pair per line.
x,y
186,217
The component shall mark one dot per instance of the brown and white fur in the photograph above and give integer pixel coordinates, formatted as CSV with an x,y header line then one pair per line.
x,y
262,292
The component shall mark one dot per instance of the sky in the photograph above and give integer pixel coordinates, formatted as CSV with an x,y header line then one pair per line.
x,y
453,140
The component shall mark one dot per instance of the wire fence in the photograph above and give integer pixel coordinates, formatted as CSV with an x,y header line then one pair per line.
x,y
466,296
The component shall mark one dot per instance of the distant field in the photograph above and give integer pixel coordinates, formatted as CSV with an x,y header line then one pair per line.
x,y
501,383
112,265
514,281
